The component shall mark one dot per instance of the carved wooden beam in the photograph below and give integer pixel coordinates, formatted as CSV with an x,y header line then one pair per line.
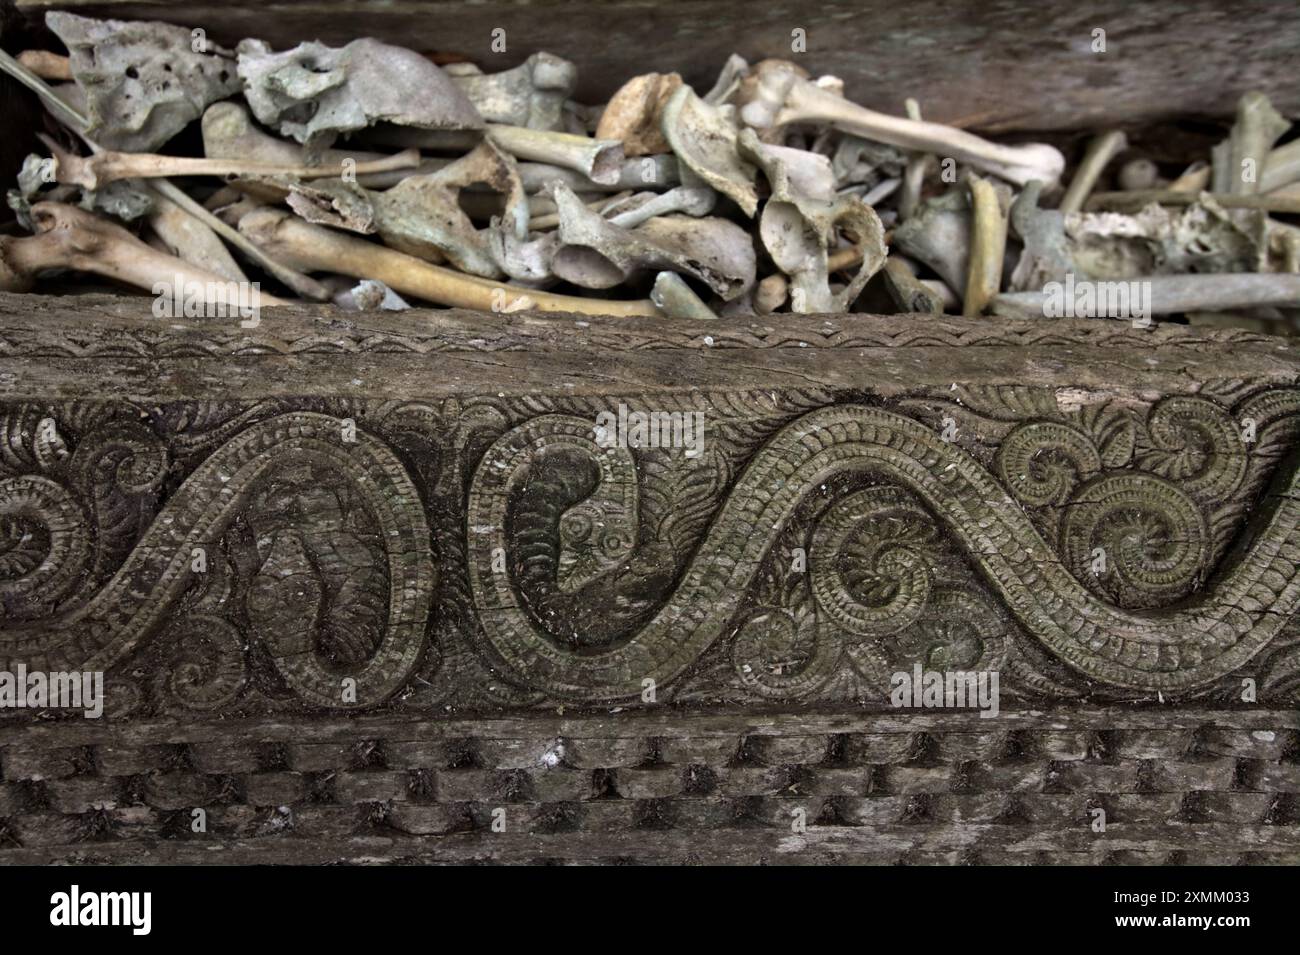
x,y
531,537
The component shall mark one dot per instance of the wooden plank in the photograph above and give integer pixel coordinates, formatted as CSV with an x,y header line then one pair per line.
x,y
859,845
988,64
733,723
82,344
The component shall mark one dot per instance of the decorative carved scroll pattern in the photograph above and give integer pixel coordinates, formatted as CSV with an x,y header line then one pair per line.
x,y
337,578
489,554
1160,553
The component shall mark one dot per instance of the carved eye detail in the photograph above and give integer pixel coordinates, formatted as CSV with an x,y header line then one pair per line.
x,y
575,527
615,544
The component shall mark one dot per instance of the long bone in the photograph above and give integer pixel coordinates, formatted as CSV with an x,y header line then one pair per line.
x,y
907,291
780,97
314,248
573,153
98,170
988,245
1171,294
68,115
1282,167
47,65
918,167
1101,150
599,160
71,238
188,238
1241,159
693,201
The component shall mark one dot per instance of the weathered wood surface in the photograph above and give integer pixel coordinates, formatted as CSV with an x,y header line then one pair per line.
x,y
452,352
1265,729
644,653
1192,786
419,502
904,843
988,64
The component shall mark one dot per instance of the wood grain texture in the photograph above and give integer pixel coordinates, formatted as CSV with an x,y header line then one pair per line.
x,y
413,502
1207,787
427,596
1000,65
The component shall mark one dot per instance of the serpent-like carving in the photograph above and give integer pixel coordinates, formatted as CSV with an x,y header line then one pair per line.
x,y
574,585
272,457
1168,648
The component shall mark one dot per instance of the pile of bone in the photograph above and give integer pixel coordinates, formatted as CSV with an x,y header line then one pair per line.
x,y
368,175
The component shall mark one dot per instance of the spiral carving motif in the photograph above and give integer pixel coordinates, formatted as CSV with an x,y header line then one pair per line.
x,y
35,574
1167,649
1196,444
1043,461
326,595
122,456
206,668
1141,537
115,621
779,653
869,572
